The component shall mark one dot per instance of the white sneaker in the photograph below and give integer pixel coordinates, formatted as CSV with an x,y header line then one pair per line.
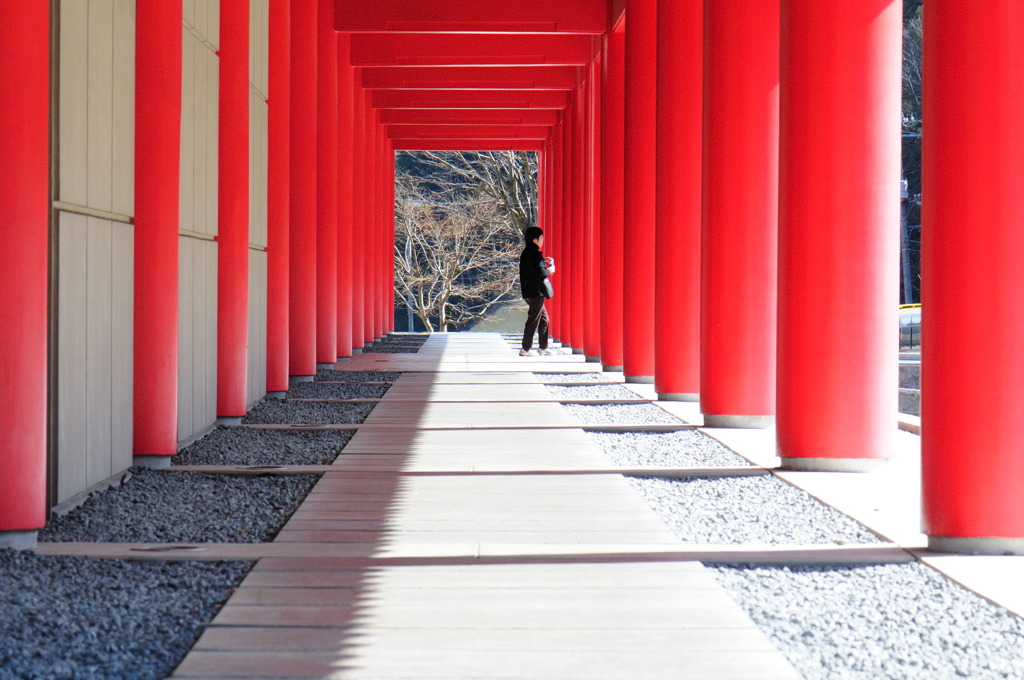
x,y
545,352
526,352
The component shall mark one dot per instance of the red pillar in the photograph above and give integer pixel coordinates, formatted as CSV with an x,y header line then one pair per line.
x,y
556,230
612,160
233,210
592,195
345,215
372,222
327,188
358,221
157,182
577,254
24,195
840,166
378,219
677,259
738,290
278,183
973,330
303,235
641,128
390,161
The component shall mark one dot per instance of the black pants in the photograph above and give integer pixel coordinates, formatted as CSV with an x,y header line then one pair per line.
x,y
536,322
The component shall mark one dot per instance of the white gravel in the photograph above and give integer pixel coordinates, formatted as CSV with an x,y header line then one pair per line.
x,y
286,412
621,414
555,378
592,392
880,621
686,448
354,376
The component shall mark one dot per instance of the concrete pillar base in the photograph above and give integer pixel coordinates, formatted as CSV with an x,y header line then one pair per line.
x,y
577,351
677,396
642,379
976,545
329,364
302,378
344,359
743,422
612,369
18,540
832,464
593,360
277,395
230,421
357,350
152,462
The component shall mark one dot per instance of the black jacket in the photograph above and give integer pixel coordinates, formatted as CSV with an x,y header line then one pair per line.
x,y
533,273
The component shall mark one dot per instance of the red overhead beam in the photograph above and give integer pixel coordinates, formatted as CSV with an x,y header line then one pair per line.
x,y
469,117
471,77
460,16
467,144
477,49
469,99
468,132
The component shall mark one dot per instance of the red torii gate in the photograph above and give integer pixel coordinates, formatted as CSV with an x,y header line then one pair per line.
x,y
723,185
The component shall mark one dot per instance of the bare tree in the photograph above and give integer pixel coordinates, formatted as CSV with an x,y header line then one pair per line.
x,y
458,227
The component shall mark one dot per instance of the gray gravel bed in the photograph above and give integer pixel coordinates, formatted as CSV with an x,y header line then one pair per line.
x,y
247,446
86,619
320,390
389,349
592,392
615,414
880,621
356,376
159,506
285,412
738,510
687,448
555,378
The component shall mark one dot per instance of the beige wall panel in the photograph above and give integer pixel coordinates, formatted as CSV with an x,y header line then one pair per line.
x,y
186,207
122,339
186,281
213,23
188,11
212,137
98,380
210,337
257,358
257,171
123,200
200,139
73,125
72,313
101,93
259,36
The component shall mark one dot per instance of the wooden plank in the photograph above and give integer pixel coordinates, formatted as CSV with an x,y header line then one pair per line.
x,y
100,107
123,111
122,344
185,332
74,103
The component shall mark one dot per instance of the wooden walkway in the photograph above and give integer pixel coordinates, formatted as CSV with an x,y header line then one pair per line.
x,y
453,541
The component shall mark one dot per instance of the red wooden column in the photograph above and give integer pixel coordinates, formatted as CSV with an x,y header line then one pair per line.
x,y
677,260
278,193
577,301
640,176
569,227
840,158
592,196
555,230
973,330
372,225
612,187
390,162
345,178
24,195
379,210
738,268
233,210
157,184
327,188
303,234
358,221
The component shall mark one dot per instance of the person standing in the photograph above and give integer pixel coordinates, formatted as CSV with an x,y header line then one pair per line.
x,y
534,270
